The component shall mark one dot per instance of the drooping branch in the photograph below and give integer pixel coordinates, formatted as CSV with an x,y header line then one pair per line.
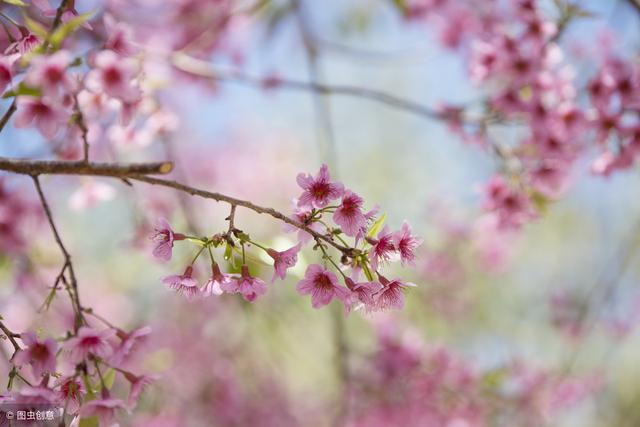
x,y
46,167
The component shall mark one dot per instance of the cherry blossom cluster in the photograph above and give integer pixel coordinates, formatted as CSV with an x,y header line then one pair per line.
x,y
330,216
395,381
513,52
77,372
76,98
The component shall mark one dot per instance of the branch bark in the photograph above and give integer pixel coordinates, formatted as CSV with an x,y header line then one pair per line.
x,y
46,167
140,172
201,68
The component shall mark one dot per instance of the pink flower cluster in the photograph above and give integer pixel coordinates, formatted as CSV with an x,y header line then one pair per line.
x,y
81,362
97,97
373,246
405,383
513,51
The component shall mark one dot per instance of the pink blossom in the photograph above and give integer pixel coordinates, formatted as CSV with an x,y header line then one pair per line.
x,y
215,283
47,115
89,341
322,285
24,45
183,283
406,243
283,260
383,248
50,73
129,341
91,193
318,191
138,384
129,137
113,75
250,287
364,292
348,215
71,391
391,296
6,73
119,36
164,237
512,207
41,355
36,395
103,408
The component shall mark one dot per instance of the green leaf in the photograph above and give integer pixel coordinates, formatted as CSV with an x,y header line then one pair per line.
x,y
35,27
15,2
109,377
228,251
67,28
377,225
401,5
367,272
89,422
22,89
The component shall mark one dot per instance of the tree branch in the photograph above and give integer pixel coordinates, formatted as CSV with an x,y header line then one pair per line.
x,y
635,4
75,296
139,172
239,202
46,167
7,115
11,336
204,69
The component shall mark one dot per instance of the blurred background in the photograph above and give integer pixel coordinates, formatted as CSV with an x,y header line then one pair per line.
x,y
541,321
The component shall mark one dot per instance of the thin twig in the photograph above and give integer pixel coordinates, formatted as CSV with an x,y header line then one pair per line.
x,y
7,115
204,69
75,297
11,336
635,4
239,202
84,131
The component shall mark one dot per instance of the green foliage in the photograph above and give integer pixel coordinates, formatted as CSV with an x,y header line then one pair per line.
x,y
22,89
64,30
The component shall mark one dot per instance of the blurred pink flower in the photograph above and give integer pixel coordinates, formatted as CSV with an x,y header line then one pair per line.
x,y
46,114
129,341
113,75
70,391
138,384
41,355
89,341
49,73
91,193
103,408
6,72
